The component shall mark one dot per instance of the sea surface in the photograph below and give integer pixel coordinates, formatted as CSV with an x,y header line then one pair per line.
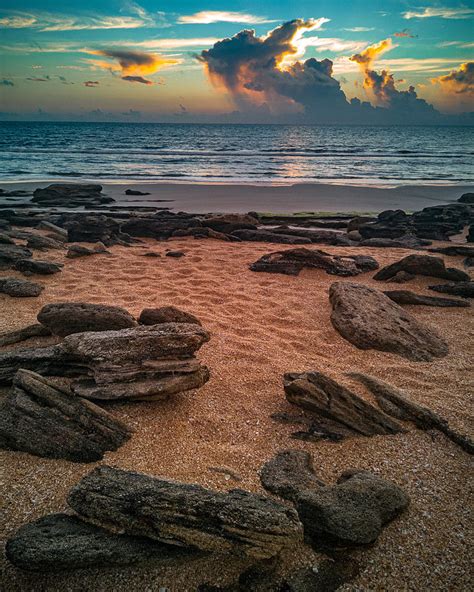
x,y
257,154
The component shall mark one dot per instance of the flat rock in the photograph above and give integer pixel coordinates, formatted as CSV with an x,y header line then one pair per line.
x,y
288,473
65,318
401,277
43,243
402,242
96,228
422,265
350,513
18,288
35,266
76,251
70,195
45,420
166,314
27,332
454,250
5,239
368,319
270,237
408,297
463,289
54,228
136,192
182,514
175,254
60,542
10,254
227,223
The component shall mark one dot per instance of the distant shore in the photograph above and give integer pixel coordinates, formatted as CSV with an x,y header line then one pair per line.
x,y
311,197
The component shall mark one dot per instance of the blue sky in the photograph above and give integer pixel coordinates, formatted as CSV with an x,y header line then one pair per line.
x,y
116,57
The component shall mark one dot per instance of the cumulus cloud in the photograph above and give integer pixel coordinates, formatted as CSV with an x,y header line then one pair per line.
x,y
91,83
440,12
460,81
133,65
207,17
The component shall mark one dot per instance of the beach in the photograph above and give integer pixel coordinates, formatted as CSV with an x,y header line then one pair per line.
x,y
261,326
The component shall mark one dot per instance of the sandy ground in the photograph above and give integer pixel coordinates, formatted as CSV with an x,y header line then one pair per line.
x,y
315,197
262,325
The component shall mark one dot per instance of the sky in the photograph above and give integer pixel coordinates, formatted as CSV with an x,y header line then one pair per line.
x,y
291,61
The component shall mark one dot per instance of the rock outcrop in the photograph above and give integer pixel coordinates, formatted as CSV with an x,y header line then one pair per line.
x,y
70,195
10,254
227,223
36,330
43,243
76,251
235,522
35,266
18,288
266,236
407,297
368,319
45,420
292,261
96,229
463,289
422,265
166,314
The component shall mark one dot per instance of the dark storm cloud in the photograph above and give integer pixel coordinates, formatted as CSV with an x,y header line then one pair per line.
x,y
459,81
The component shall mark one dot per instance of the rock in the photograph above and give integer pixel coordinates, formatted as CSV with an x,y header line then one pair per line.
x,y
350,513
235,522
160,226
35,266
288,473
407,241
5,239
57,230
270,237
19,288
454,251
175,254
136,192
10,254
407,297
166,314
228,223
468,262
27,332
66,318
60,542
398,404
354,223
43,243
45,420
441,222
354,235
390,224
327,576
467,198
401,277
75,251
96,228
470,234
70,195
336,408
151,254
326,237
463,289
292,261
422,265
370,320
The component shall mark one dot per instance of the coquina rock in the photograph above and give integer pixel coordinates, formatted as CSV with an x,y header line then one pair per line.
x,y
35,266
407,297
45,420
422,265
463,289
370,320
18,288
10,254
70,195
235,522
166,314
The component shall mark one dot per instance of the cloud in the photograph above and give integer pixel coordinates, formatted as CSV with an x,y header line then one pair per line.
x,y
133,65
206,17
333,44
368,56
463,44
6,82
460,81
91,83
405,33
37,79
445,13
359,29
17,22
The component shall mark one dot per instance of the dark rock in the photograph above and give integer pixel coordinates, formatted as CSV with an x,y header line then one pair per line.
x,y
463,289
35,266
407,297
422,265
454,250
10,254
470,234
398,404
228,223
325,237
98,228
136,192
370,320
70,195
327,576
151,254
292,261
401,277
390,224
468,262
43,243
45,420
236,522
166,314
354,223
336,408
5,239
288,473
270,237
351,513
19,288
175,254
467,198
54,228
160,226
441,222
75,317
354,236
35,330
60,542
75,251
407,241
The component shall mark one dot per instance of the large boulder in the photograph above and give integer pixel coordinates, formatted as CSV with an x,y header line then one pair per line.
x,y
70,195
60,542
166,314
407,297
467,198
18,288
370,320
65,318
46,420
422,265
350,513
236,522
442,221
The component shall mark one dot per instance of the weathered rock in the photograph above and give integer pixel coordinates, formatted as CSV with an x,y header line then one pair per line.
x,y
354,223
467,198
35,266
5,239
422,265
288,473
401,277
61,542
175,254
166,314
96,228
325,237
65,318
270,237
406,241
45,420
70,195
327,576
398,404
454,250
335,407
370,320
27,332
292,261
463,289
160,226
390,224
19,288
236,522
470,234
227,223
407,297
442,221
54,228
10,254
468,262
136,192
350,513
75,251
43,243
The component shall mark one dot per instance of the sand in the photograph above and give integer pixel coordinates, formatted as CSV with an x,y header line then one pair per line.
x,y
300,197
262,325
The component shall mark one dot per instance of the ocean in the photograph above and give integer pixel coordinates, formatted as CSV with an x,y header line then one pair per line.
x,y
222,153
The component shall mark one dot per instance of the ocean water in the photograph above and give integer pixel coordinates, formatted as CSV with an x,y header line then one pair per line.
x,y
270,154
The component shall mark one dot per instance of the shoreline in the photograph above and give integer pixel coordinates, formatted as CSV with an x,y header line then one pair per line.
x,y
301,197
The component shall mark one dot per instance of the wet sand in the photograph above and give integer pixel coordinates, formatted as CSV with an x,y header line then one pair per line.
x,y
261,325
